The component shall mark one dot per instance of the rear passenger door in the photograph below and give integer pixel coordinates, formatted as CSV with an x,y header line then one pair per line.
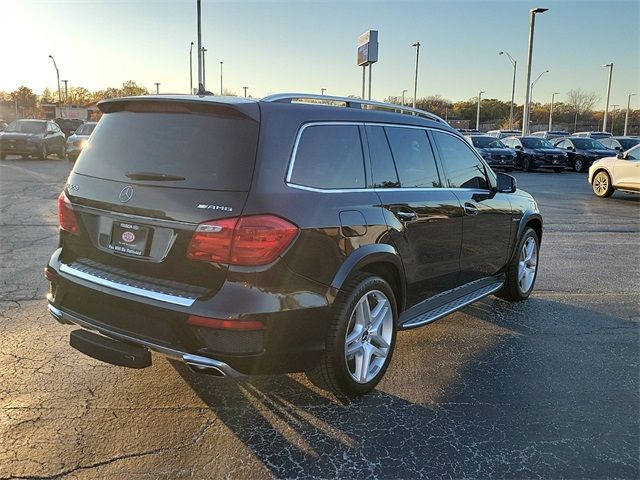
x,y
486,226
425,219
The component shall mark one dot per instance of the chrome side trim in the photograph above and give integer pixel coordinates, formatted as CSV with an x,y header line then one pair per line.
x,y
129,216
292,160
162,297
197,361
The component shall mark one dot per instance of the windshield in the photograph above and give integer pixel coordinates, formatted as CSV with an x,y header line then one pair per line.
x,y
207,151
487,142
85,129
22,126
628,143
530,142
588,144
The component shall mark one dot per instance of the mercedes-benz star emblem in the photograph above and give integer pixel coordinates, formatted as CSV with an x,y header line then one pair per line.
x,y
126,194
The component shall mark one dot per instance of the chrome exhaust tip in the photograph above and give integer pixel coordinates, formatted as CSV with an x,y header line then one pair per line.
x,y
210,366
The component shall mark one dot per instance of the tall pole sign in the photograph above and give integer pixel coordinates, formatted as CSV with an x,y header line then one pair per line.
x,y
367,55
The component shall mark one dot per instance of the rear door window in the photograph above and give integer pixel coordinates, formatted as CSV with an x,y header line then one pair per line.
x,y
383,170
413,156
209,150
463,168
329,157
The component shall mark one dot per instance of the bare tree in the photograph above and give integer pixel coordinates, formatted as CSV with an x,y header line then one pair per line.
x,y
581,102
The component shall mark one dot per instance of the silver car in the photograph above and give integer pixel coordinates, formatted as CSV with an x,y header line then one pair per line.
x,y
78,139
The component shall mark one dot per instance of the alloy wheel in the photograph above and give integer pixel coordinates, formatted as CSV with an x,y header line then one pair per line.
x,y
601,183
368,339
527,264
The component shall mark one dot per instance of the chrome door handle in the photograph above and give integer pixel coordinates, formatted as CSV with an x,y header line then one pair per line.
x,y
470,209
406,216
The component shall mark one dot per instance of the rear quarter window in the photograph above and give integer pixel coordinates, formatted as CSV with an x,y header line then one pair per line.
x,y
329,157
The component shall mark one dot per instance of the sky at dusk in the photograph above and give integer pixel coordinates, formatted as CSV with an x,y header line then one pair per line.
x,y
304,46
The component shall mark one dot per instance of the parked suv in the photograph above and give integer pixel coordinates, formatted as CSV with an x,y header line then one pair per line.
x,y
494,152
249,236
583,151
535,152
36,138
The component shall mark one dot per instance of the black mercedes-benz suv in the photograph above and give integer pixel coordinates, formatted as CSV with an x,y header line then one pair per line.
x,y
267,236
535,152
583,151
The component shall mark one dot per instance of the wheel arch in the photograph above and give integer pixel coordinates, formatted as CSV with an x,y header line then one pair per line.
x,y
378,259
601,168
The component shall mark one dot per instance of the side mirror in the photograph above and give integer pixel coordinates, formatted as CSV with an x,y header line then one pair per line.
x,y
518,147
620,156
506,183
72,132
618,148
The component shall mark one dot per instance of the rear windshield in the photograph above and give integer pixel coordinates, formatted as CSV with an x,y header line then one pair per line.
x,y
588,144
197,150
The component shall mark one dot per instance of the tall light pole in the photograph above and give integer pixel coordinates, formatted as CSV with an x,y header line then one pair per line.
x,y
553,96
613,115
245,91
200,81
221,78
626,117
403,92
202,52
415,78
534,84
66,97
322,90
191,69
157,84
58,76
606,105
513,86
478,110
532,23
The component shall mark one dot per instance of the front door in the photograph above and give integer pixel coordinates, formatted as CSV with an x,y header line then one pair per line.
x,y
626,171
487,220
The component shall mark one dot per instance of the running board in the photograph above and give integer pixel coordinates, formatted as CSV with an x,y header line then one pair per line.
x,y
448,302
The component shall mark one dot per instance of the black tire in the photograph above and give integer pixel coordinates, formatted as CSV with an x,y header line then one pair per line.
x,y
580,165
331,373
558,170
62,153
527,164
511,290
44,153
601,184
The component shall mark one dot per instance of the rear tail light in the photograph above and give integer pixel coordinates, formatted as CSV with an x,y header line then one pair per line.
x,y
66,215
249,241
207,322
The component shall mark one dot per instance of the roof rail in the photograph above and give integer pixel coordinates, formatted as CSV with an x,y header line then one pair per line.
x,y
351,103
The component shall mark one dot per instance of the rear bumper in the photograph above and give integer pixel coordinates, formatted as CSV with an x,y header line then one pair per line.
x,y
197,363
294,322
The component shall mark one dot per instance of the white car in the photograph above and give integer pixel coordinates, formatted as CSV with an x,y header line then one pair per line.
x,y
616,173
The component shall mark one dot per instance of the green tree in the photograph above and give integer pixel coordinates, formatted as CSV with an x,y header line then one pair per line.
x,y
47,96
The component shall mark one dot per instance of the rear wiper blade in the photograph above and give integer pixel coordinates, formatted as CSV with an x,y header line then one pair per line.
x,y
162,177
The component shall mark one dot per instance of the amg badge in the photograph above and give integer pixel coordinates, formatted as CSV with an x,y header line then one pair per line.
x,y
215,207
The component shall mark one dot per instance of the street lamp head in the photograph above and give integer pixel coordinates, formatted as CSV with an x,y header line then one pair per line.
x,y
538,10
608,65
500,53
417,44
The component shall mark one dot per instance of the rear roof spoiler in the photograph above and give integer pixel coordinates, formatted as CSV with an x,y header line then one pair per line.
x,y
232,106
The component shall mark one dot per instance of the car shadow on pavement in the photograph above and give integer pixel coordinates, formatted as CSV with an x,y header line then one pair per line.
x,y
540,388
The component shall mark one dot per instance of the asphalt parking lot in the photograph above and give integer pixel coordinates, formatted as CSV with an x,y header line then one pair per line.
x,y
545,388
